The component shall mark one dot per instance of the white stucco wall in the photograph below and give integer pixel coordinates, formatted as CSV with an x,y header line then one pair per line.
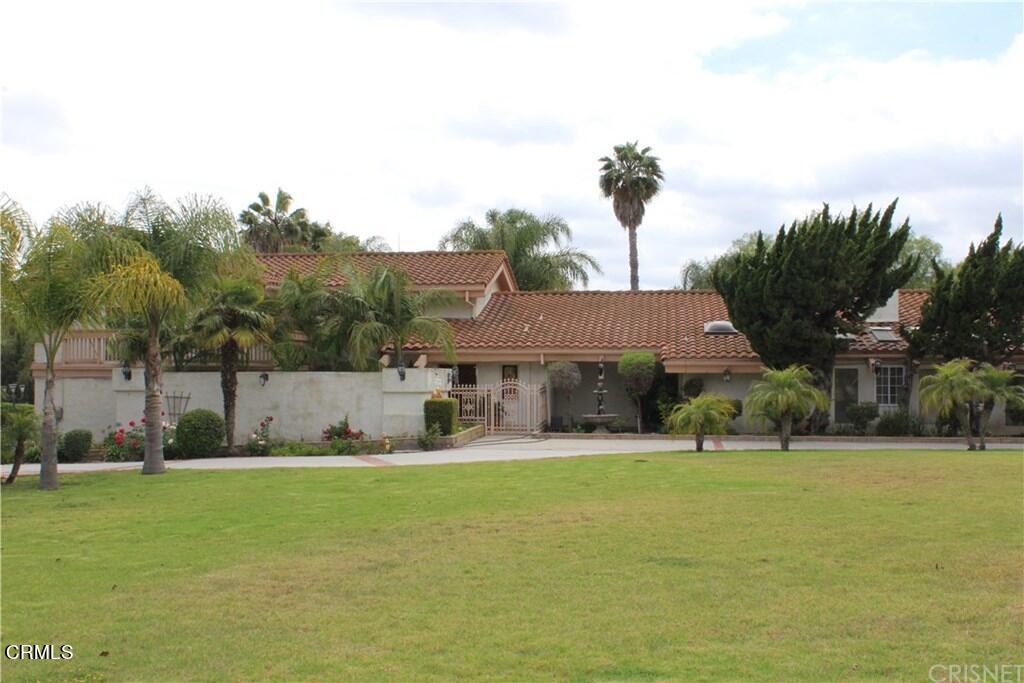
x,y
302,403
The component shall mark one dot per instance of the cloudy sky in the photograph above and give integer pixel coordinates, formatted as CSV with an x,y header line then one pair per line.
x,y
401,119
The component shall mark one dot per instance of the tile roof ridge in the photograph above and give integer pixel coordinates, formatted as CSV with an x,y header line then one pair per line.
x,y
607,291
380,253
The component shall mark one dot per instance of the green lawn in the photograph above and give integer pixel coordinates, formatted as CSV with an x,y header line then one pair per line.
x,y
803,566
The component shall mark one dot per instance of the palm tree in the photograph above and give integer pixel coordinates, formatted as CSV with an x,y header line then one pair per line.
x,y
48,294
781,394
235,319
142,288
995,385
185,246
390,313
704,414
534,247
951,391
20,424
632,177
272,227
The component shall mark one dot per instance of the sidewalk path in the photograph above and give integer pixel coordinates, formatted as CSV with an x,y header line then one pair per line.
x,y
506,448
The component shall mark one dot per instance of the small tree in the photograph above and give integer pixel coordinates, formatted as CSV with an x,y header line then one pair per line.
x,y
785,393
565,376
637,370
705,414
995,385
950,391
20,424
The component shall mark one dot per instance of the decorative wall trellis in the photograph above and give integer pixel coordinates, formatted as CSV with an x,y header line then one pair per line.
x,y
509,407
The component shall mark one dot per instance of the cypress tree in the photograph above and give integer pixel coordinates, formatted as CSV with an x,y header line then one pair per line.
x,y
975,310
819,280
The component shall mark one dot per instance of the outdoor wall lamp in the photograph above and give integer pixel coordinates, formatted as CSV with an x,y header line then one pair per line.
x,y
126,371
264,378
727,375
401,372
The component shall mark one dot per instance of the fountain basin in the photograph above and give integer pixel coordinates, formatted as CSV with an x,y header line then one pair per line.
x,y
599,422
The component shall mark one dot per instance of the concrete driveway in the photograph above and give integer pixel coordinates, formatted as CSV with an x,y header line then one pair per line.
x,y
518,448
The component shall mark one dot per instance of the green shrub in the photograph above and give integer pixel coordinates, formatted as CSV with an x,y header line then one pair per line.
x,y
1014,413
899,422
427,441
77,443
860,414
737,406
199,433
443,412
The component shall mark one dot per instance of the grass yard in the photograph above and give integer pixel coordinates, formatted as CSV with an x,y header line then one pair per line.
x,y
742,566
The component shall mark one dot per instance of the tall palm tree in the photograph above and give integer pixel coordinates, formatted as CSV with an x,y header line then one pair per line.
x,y
390,313
185,246
951,391
235,319
995,384
781,394
48,293
701,415
271,227
632,177
534,247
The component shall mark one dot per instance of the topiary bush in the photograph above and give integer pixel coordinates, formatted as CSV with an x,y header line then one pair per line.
x,y
77,443
693,387
443,412
199,433
860,414
637,369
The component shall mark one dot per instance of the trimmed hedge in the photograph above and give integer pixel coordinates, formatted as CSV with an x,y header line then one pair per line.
x,y
199,433
443,412
77,443
861,414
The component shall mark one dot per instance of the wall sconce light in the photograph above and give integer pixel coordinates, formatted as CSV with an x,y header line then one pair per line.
x,y
727,375
126,371
264,378
875,365
401,372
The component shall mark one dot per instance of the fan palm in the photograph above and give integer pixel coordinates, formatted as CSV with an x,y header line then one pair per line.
x,y
534,247
390,313
236,318
781,394
704,414
950,391
632,177
20,424
995,385
271,227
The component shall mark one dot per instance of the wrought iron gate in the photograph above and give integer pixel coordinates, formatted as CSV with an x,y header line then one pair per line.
x,y
511,406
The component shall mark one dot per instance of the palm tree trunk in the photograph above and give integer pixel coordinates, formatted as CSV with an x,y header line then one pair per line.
x,y
785,428
965,425
983,419
229,387
699,439
634,264
19,457
48,456
153,462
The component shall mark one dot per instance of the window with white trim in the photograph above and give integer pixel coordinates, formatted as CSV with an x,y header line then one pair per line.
x,y
889,381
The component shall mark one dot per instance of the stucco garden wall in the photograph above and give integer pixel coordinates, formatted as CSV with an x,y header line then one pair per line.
x,y
302,403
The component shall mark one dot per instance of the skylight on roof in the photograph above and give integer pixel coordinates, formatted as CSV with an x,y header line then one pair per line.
x,y
719,327
884,334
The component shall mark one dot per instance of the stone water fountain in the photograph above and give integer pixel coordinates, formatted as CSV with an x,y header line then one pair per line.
x,y
600,420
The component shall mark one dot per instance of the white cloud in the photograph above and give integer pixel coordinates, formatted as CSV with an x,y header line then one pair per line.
x,y
403,121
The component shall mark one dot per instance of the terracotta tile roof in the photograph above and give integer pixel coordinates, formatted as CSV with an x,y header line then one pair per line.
x,y
911,301
669,322
455,269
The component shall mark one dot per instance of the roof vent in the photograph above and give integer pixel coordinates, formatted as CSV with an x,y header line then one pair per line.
x,y
719,327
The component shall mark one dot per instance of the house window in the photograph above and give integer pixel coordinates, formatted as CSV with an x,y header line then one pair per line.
x,y
509,372
889,382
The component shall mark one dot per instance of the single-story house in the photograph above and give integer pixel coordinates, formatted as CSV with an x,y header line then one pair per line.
x,y
504,334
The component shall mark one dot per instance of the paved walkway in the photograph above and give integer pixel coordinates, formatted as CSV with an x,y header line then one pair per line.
x,y
510,448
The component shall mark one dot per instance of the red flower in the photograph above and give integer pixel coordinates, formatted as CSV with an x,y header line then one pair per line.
x,y
143,420
270,418
120,430
131,423
119,438
135,443
263,425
